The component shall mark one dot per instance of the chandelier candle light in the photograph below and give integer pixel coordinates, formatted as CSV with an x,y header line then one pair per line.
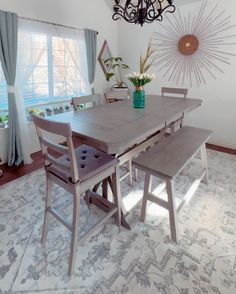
x,y
141,11
139,80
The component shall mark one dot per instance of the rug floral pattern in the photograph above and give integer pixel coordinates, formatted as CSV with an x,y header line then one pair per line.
x,y
142,260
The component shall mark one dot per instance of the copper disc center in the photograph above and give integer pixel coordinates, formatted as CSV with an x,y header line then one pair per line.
x,y
188,45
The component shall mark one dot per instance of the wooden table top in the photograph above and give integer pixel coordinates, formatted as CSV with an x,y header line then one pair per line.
x,y
116,127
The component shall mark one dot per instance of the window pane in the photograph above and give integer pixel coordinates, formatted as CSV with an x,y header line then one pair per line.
x,y
52,64
67,77
33,67
3,91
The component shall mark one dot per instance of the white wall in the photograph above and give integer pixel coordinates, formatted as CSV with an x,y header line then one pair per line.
x,y
218,111
93,14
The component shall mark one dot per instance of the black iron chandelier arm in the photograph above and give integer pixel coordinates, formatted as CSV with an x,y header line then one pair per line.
x,y
142,11
129,17
154,14
128,12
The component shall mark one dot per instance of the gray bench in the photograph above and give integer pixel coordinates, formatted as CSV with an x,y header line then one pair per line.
x,y
166,160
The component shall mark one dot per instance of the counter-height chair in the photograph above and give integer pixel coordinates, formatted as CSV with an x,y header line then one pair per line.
x,y
87,101
175,92
77,171
95,100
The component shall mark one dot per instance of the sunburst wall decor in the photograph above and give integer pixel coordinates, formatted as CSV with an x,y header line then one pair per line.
x,y
192,47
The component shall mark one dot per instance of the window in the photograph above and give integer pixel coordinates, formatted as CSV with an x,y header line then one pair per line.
x,y
3,91
51,64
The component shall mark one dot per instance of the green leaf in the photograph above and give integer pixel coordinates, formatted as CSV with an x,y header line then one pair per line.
x,y
109,76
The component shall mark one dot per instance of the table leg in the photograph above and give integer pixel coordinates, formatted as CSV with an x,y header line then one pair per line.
x,y
92,197
123,211
105,189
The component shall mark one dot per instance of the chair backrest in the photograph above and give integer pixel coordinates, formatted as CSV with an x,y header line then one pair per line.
x,y
174,91
62,129
94,99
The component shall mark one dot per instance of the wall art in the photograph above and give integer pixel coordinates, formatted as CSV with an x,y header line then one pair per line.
x,y
191,48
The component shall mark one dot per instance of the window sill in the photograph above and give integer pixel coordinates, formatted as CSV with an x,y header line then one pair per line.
x,y
5,129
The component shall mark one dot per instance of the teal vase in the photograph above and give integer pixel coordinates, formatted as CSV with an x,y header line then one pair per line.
x,y
139,98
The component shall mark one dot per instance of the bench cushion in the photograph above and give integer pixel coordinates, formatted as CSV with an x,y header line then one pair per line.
x,y
171,154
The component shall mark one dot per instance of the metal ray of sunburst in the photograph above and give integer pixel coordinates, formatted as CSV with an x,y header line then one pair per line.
x,y
190,48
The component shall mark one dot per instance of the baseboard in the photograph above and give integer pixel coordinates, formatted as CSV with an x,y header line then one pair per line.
x,y
222,144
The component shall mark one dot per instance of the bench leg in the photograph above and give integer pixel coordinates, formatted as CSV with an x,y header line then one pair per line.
x,y
146,191
172,210
204,163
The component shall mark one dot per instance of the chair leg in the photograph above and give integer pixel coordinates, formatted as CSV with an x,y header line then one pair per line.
x,y
172,210
48,203
74,231
130,172
204,163
146,191
117,194
136,174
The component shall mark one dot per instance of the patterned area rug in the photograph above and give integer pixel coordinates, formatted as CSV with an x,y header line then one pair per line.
x,y
142,260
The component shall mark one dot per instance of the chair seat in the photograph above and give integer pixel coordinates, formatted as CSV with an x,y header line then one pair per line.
x,y
90,162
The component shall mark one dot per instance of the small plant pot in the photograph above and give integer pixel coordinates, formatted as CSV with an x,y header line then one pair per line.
x,y
120,93
67,108
2,125
42,114
56,111
48,112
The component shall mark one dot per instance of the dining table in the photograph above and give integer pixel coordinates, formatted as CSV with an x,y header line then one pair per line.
x,y
124,131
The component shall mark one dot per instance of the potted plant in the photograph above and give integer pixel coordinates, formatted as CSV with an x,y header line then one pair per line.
x,y
3,120
56,110
67,107
114,67
48,111
61,109
31,111
141,78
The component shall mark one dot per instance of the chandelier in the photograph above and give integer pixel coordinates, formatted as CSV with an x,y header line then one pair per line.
x,y
141,11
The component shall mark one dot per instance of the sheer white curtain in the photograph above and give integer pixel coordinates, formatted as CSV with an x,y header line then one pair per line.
x,y
51,66
75,56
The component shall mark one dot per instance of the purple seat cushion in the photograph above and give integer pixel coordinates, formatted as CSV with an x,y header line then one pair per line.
x,y
90,162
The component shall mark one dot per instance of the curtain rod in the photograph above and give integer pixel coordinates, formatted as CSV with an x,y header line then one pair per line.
x,y
52,23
